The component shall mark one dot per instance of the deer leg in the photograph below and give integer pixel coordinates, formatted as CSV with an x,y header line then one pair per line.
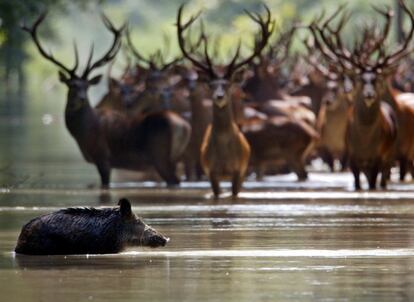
x,y
236,184
385,175
355,172
188,169
403,167
164,166
411,168
215,185
104,171
167,171
298,167
302,174
372,177
260,171
327,157
198,170
344,162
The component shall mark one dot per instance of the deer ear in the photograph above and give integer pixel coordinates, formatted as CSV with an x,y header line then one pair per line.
x,y
238,76
95,80
63,77
125,208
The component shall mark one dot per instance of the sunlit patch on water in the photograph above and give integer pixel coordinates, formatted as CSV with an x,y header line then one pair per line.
x,y
293,209
283,253
277,195
263,253
329,195
325,268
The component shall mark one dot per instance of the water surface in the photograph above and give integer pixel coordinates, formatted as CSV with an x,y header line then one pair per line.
x,y
281,241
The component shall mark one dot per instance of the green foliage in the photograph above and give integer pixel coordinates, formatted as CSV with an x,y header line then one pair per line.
x,y
12,38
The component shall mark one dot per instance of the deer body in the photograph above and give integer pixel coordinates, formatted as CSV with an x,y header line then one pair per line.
x,y
371,137
333,120
201,118
281,140
225,151
372,127
403,104
109,138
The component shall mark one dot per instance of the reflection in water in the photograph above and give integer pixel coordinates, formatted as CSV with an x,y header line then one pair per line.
x,y
301,250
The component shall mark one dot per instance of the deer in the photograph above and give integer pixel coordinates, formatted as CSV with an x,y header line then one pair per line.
x,y
371,135
264,86
333,119
225,151
265,81
159,79
109,139
200,118
280,140
333,112
402,103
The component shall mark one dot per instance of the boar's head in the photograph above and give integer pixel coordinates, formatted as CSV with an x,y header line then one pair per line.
x,y
135,231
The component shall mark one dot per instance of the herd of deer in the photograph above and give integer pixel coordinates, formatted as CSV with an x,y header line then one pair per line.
x,y
267,112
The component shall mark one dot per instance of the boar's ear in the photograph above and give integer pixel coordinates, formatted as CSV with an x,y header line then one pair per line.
x,y
125,208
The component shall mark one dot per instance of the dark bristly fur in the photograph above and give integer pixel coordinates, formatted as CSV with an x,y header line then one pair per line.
x,y
86,231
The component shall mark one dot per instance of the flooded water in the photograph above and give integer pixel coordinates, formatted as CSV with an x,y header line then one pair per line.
x,y
292,247
281,241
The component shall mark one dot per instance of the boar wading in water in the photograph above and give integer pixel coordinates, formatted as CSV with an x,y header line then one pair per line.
x,y
87,231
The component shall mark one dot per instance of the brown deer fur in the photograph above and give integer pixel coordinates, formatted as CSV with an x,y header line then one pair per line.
x,y
110,139
280,140
225,151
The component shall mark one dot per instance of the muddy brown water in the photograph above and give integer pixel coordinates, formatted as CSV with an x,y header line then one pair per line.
x,y
281,241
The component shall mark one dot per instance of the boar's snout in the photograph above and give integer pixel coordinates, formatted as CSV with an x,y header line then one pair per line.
x,y
154,239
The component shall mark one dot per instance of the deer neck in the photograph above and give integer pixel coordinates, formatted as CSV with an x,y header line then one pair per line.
x,y
79,116
223,117
367,115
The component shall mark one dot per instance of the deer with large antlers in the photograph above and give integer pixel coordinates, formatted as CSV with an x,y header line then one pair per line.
x,y
225,151
371,132
110,139
336,88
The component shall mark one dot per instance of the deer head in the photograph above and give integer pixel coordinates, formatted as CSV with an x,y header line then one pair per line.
x,y
368,63
219,79
338,85
78,84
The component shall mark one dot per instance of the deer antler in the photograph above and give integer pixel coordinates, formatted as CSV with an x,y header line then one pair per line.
x,y
156,60
282,44
329,42
207,65
136,53
389,61
313,61
372,42
111,52
266,29
208,68
49,56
